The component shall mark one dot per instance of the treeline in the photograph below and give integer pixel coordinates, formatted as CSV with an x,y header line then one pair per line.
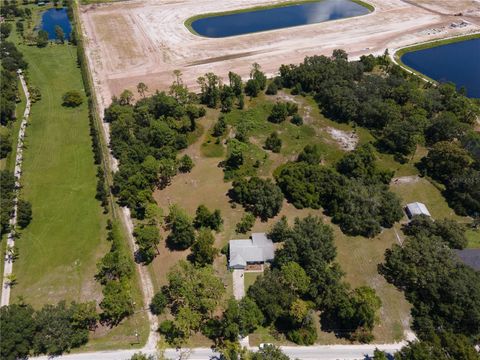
x,y
145,138
7,199
401,111
11,9
52,330
444,292
354,193
12,61
115,271
102,191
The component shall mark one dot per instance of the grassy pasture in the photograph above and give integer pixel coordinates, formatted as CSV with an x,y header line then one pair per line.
x,y
60,248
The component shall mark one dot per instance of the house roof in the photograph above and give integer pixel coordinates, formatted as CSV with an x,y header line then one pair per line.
x,y
258,248
470,257
417,208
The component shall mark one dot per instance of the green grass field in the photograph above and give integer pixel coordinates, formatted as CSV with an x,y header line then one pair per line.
x,y
60,248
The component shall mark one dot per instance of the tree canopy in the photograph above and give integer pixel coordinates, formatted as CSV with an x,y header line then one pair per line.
x,y
261,197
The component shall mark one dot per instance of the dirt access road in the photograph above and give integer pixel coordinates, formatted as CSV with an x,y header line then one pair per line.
x,y
145,40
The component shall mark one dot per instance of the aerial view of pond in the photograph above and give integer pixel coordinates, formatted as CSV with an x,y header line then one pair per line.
x,y
54,17
276,18
458,62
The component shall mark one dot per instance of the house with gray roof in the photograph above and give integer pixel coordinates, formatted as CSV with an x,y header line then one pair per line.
x,y
470,257
258,249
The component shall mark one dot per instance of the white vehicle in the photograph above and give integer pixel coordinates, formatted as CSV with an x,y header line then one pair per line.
x,y
264,345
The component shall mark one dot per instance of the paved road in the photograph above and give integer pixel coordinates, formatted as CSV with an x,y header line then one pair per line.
x,y
8,265
332,352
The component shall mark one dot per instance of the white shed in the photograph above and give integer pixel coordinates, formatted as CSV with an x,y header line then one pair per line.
x,y
416,208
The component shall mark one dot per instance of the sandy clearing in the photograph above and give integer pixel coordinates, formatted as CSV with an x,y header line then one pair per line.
x,y
129,42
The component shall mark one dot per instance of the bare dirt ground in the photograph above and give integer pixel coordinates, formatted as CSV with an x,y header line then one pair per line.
x,y
145,40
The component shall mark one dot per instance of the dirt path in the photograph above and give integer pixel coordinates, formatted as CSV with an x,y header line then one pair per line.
x,y
8,265
146,282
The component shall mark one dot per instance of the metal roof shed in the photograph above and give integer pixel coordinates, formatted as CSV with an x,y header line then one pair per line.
x,y
416,208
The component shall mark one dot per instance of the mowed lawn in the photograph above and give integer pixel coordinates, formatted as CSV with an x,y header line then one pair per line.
x,y
61,246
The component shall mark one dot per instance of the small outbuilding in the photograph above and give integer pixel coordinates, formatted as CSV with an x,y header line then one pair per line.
x,y
259,249
416,208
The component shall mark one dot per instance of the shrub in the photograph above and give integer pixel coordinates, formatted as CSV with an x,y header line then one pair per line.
x,y
72,98
207,219
252,88
273,142
220,127
186,164
292,108
279,113
42,38
245,224
297,120
24,213
272,89
303,336
158,304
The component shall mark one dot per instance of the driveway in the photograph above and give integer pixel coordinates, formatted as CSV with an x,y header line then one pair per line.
x,y
238,284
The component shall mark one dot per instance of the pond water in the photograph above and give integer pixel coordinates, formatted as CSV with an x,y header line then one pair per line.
x,y
458,62
276,18
54,17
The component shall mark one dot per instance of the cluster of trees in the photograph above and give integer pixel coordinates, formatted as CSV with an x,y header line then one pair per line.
x,y
402,112
445,293
207,219
72,98
7,197
7,202
214,93
273,142
114,272
260,197
183,235
10,9
304,278
52,330
12,60
146,137
281,111
449,231
457,166
355,193
192,295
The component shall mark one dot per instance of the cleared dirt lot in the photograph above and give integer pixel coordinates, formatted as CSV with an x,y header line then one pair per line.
x,y
133,41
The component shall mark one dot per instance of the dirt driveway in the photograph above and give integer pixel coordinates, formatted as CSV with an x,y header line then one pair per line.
x,y
238,284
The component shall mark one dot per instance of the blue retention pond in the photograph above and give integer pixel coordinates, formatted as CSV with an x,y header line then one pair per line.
x,y
457,62
217,26
54,17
